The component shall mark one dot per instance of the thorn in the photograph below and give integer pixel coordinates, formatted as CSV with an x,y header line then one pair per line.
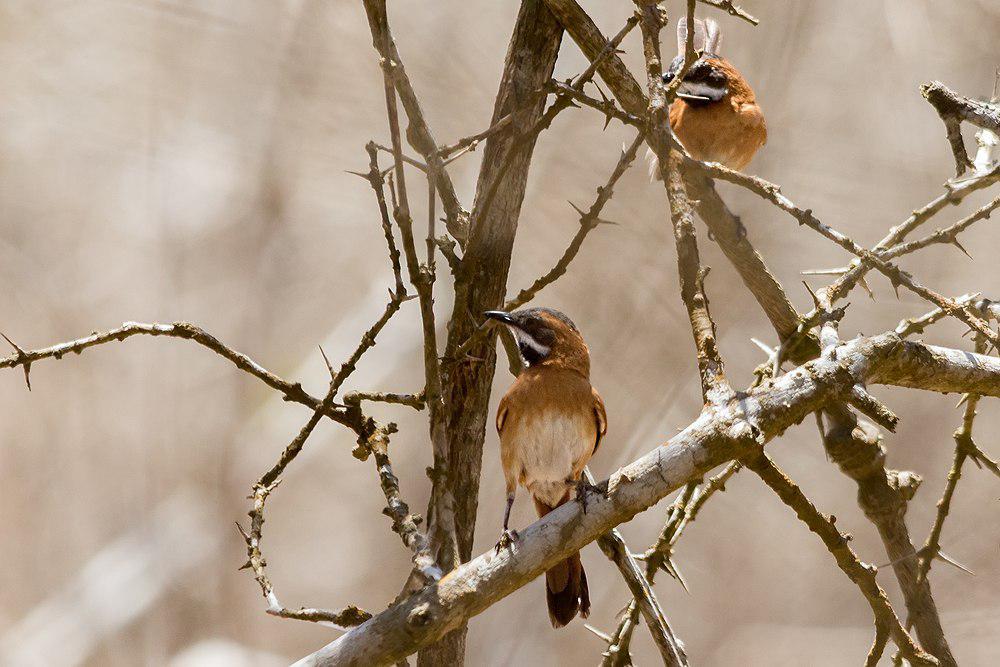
x,y
601,635
671,567
864,284
815,298
20,355
962,400
607,120
600,90
366,176
958,245
954,563
329,366
246,566
763,346
245,534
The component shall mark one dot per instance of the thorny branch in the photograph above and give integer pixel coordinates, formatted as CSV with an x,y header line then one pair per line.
x,y
730,427
953,109
589,220
863,575
896,275
732,9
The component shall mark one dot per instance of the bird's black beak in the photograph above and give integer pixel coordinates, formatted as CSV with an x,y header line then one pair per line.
x,y
499,316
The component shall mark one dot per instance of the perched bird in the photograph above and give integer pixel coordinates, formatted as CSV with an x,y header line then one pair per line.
x,y
550,423
715,115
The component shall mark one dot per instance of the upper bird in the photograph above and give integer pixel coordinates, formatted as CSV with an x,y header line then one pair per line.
x,y
715,115
550,423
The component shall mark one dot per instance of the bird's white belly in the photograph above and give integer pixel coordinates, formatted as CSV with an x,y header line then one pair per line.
x,y
548,449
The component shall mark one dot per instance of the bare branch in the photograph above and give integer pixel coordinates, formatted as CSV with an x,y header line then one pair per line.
x,y
861,574
947,235
731,9
953,109
418,133
897,276
291,391
721,433
588,222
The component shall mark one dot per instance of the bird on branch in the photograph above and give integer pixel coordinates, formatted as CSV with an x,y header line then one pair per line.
x,y
715,115
550,424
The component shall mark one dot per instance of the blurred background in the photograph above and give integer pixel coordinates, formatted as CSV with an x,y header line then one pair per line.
x,y
169,159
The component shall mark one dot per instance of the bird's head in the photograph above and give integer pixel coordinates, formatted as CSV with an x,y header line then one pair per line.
x,y
708,80
545,337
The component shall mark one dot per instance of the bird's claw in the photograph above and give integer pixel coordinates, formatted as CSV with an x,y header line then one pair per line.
x,y
584,488
741,230
507,538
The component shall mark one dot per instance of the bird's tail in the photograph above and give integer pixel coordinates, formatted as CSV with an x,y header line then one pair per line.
x,y
566,589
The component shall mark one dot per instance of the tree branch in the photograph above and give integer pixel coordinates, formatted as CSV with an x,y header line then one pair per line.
x,y
720,434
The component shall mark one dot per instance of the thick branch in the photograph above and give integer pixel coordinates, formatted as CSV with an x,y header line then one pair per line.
x,y
720,434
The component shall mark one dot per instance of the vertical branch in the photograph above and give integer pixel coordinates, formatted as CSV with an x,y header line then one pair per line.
x,y
417,133
713,383
441,521
480,283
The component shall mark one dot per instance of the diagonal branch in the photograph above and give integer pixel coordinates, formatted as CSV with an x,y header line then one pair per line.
x,y
720,434
897,276
863,575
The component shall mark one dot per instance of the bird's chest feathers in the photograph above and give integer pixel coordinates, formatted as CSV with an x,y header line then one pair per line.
x,y
549,443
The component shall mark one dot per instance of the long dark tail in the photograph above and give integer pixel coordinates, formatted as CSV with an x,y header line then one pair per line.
x,y
566,589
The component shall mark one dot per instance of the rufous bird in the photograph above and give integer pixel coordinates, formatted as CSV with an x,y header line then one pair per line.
x,y
550,423
715,115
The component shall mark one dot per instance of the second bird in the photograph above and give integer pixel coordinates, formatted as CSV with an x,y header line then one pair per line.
x,y
550,423
715,115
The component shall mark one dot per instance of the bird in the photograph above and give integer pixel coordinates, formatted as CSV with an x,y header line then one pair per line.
x,y
550,422
715,115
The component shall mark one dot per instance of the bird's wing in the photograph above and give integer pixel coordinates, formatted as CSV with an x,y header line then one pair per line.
x,y
502,413
600,418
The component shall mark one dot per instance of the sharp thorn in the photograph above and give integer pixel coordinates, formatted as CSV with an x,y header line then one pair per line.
x,y
246,536
329,366
958,245
17,348
578,210
864,284
954,563
598,633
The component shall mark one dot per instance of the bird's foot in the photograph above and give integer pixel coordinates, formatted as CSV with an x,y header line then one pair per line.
x,y
741,230
507,539
584,489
